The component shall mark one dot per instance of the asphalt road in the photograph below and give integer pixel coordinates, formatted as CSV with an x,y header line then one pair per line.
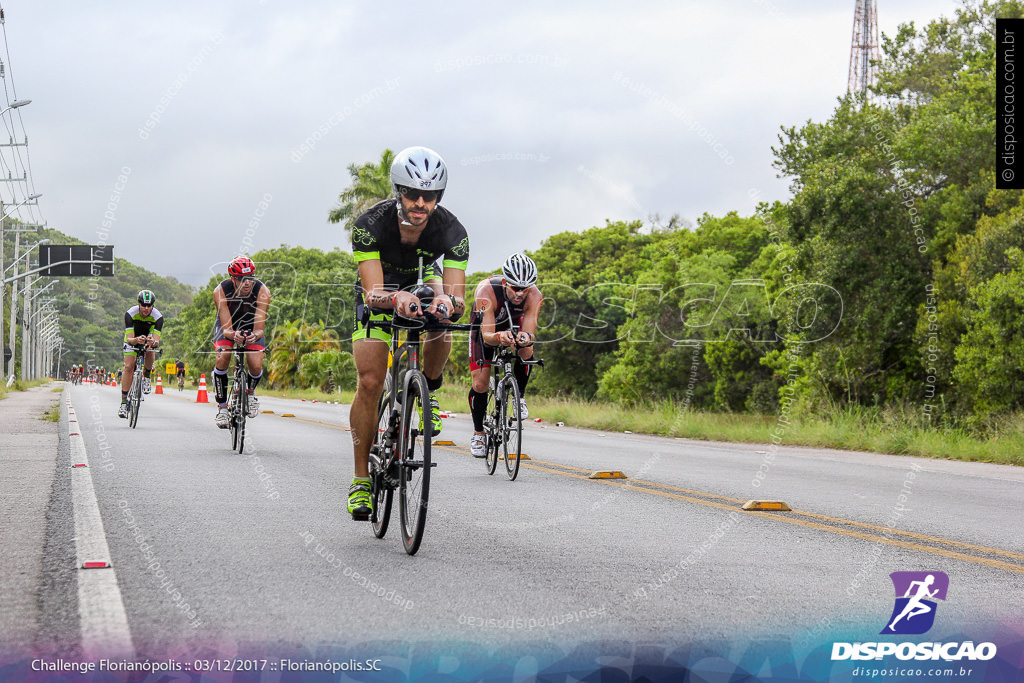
x,y
226,553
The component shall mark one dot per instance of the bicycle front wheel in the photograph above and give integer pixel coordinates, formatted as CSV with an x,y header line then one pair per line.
x,y
414,460
511,427
134,399
383,488
242,412
492,435
233,416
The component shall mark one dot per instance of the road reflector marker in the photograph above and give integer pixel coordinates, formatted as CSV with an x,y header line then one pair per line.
x,y
444,443
81,464
608,474
95,565
287,415
74,434
268,412
524,456
766,506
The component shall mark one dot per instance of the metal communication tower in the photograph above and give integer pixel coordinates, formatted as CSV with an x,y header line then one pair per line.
x,y
864,47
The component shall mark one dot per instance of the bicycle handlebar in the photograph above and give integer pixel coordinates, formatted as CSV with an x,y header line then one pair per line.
x,y
427,323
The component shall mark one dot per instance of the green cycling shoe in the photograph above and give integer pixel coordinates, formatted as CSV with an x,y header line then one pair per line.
x,y
360,502
435,416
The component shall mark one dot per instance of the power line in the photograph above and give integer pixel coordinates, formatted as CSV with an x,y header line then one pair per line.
x,y
17,183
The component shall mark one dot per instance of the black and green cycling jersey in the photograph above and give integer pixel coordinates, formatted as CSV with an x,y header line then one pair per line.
x,y
376,235
138,324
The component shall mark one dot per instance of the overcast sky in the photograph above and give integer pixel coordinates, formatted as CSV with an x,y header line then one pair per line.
x,y
551,116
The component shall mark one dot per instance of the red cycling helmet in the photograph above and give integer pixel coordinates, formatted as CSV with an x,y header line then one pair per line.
x,y
242,266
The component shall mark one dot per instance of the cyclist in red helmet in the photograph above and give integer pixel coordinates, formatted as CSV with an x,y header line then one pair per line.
x,y
242,303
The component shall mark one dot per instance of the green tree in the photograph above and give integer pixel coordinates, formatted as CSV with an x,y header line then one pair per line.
x,y
331,370
290,343
990,357
371,182
587,279
700,320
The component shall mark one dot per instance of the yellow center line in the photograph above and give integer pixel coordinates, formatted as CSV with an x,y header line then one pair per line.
x,y
330,425
785,518
996,564
911,534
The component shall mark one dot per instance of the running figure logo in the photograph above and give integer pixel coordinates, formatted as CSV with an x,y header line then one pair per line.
x,y
916,595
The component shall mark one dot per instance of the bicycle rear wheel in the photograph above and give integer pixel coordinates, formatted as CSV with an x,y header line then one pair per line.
x,y
414,462
511,427
383,490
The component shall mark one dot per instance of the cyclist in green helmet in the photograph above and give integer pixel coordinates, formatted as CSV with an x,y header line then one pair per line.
x,y
142,325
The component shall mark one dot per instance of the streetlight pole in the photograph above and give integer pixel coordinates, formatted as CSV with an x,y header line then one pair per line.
x,y
46,327
14,298
3,217
60,355
28,333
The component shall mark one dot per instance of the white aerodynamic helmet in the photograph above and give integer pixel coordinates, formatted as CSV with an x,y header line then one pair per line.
x,y
520,270
419,168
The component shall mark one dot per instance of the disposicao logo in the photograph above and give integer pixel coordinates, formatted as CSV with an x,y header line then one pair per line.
x,y
916,596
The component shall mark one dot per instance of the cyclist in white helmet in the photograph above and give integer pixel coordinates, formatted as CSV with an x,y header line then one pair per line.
x,y
388,242
501,303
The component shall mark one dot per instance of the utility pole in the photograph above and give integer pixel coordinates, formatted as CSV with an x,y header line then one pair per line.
x,y
864,48
3,357
14,286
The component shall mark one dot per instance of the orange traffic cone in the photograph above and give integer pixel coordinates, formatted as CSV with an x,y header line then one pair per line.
x,y
201,396
159,386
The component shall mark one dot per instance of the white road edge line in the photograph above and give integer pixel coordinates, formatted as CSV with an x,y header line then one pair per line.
x,y
104,623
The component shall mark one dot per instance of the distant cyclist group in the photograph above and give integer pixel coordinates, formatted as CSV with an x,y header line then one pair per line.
x,y
398,243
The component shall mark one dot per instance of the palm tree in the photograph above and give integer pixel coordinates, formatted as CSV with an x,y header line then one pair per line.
x,y
370,184
291,342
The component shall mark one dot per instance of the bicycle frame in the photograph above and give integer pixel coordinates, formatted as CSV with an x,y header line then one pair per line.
x,y
401,452
135,390
238,398
503,430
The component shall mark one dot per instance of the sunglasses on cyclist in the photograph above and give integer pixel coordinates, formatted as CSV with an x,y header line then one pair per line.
x,y
243,280
518,290
412,194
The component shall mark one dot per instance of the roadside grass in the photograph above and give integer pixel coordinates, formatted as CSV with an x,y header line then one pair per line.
x,y
892,430
344,396
19,385
53,414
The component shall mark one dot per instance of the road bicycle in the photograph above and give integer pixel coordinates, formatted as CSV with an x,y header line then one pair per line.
x,y
503,421
135,392
238,399
181,383
400,456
